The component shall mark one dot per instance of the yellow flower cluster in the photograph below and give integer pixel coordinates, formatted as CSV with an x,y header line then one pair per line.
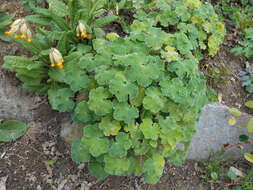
x,y
20,29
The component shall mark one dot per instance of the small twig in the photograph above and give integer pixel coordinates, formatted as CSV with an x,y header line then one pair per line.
x,y
225,183
238,144
246,115
2,155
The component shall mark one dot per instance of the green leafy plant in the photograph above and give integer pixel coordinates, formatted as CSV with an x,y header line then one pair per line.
x,y
221,174
29,4
238,13
136,97
245,47
5,21
247,79
11,130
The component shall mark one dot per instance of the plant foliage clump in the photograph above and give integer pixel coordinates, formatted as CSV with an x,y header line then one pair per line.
x,y
137,97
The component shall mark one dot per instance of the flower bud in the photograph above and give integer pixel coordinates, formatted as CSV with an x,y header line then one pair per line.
x,y
80,28
81,31
56,58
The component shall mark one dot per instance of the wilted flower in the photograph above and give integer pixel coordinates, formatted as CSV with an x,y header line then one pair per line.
x,y
20,29
81,31
56,58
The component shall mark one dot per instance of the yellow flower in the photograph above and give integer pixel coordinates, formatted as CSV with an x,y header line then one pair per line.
x,y
85,35
23,36
8,33
56,58
20,29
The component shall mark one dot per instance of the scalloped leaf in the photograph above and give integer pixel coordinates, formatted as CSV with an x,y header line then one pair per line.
x,y
122,88
145,73
153,168
79,153
96,169
154,100
91,131
98,101
149,129
115,165
82,112
125,112
61,99
109,127
120,147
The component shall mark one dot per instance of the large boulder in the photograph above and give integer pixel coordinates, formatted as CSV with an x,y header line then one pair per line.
x,y
213,132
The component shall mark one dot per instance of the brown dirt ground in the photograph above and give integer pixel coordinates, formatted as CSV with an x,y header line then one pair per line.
x,y
40,160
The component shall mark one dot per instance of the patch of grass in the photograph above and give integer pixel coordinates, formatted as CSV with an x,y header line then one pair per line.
x,y
212,169
219,175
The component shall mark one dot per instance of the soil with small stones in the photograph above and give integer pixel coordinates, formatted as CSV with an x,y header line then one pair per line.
x,y
40,160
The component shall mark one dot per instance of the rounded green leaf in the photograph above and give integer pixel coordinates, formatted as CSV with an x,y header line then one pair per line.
x,y
91,131
248,157
75,77
110,127
153,168
154,100
98,146
11,130
249,104
96,169
125,112
61,99
232,121
115,165
79,153
117,150
122,88
149,129
82,112
98,101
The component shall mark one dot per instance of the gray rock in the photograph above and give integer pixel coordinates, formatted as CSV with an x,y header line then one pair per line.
x,y
213,132
70,131
14,103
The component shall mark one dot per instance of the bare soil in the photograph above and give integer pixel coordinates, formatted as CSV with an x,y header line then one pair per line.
x,y
40,160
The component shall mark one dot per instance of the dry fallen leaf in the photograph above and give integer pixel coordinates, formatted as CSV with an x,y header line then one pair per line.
x,y
219,97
